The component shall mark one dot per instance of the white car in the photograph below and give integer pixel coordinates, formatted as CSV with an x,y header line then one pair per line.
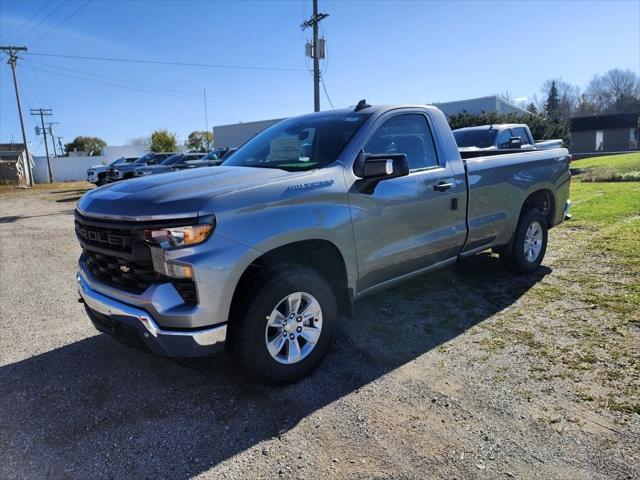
x,y
98,173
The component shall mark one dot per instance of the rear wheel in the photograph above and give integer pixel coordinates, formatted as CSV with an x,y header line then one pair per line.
x,y
530,242
286,326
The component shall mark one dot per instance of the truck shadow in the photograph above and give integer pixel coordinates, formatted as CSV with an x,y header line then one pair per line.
x,y
97,409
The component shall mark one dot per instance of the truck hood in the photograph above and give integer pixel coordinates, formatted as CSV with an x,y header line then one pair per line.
x,y
172,195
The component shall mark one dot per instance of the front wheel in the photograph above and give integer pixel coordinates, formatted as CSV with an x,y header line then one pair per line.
x,y
286,325
530,242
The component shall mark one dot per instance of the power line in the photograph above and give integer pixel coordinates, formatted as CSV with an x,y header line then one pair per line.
x,y
62,21
138,86
163,62
42,7
325,91
41,21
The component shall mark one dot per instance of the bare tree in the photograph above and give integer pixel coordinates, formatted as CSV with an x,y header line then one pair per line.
x,y
615,91
568,96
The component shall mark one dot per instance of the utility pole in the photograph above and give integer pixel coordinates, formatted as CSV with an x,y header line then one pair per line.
x,y
206,119
316,51
53,138
44,112
11,51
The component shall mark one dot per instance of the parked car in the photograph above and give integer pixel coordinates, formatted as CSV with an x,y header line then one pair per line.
x,y
169,164
264,254
123,172
98,173
500,137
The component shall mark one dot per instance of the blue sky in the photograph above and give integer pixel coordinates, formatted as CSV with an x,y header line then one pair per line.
x,y
386,52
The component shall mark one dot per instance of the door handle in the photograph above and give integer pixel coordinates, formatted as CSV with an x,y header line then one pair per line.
x,y
442,186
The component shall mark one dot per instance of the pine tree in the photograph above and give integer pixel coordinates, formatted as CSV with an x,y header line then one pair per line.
x,y
552,104
531,108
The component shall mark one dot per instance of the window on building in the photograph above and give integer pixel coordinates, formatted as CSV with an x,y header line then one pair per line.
x,y
599,140
633,138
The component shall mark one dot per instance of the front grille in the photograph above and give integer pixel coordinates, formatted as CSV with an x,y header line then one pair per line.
x,y
134,277
105,237
131,276
115,254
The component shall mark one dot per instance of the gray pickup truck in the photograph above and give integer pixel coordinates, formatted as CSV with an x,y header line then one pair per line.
x,y
505,136
262,255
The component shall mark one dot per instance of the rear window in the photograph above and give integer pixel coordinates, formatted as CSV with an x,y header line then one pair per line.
x,y
475,138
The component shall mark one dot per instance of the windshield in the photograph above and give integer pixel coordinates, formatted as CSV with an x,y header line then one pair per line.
x,y
475,138
145,158
213,155
117,161
301,143
172,159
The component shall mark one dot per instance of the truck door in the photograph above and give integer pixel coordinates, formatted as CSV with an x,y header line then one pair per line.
x,y
412,222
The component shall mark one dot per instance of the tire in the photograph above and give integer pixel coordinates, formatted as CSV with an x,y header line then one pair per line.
x,y
530,242
268,304
102,179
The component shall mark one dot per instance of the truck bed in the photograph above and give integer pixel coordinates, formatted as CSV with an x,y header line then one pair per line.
x,y
499,182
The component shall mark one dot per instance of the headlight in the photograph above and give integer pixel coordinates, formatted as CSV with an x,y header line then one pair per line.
x,y
174,237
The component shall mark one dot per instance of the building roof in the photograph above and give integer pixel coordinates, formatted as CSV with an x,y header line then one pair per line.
x,y
605,122
11,147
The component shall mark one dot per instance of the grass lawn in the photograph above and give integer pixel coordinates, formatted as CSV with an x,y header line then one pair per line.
x,y
610,213
611,167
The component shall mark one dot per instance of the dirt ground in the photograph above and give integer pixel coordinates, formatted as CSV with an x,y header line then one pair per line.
x,y
471,372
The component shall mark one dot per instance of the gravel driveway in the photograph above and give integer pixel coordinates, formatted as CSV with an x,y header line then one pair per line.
x,y
458,374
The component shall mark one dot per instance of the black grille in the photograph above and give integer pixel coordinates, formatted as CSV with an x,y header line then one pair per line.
x,y
105,237
131,276
187,290
115,254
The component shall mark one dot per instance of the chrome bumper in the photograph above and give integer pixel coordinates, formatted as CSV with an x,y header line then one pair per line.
x,y
119,319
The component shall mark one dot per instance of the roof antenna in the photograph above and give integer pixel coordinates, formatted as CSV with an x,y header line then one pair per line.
x,y
362,104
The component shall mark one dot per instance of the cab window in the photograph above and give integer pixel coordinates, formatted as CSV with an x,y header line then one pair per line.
x,y
409,134
522,133
503,138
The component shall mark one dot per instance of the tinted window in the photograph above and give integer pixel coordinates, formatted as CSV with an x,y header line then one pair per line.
x,y
522,133
408,134
172,159
302,143
503,138
475,138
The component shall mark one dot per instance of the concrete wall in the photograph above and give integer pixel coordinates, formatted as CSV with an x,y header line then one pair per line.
x,y
234,135
66,169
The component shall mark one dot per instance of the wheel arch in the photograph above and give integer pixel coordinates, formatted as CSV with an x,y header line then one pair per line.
x,y
321,255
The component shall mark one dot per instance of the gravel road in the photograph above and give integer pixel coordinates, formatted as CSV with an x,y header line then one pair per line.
x,y
441,377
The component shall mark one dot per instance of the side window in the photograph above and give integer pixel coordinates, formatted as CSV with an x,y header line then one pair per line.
x,y
408,134
522,133
503,138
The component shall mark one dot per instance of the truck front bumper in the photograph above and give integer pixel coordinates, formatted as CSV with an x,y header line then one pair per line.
x,y
136,327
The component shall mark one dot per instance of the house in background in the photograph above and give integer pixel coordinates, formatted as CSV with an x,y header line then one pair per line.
x,y
13,164
476,106
610,133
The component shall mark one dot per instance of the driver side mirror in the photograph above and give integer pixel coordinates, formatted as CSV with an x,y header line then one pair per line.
x,y
515,142
375,168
